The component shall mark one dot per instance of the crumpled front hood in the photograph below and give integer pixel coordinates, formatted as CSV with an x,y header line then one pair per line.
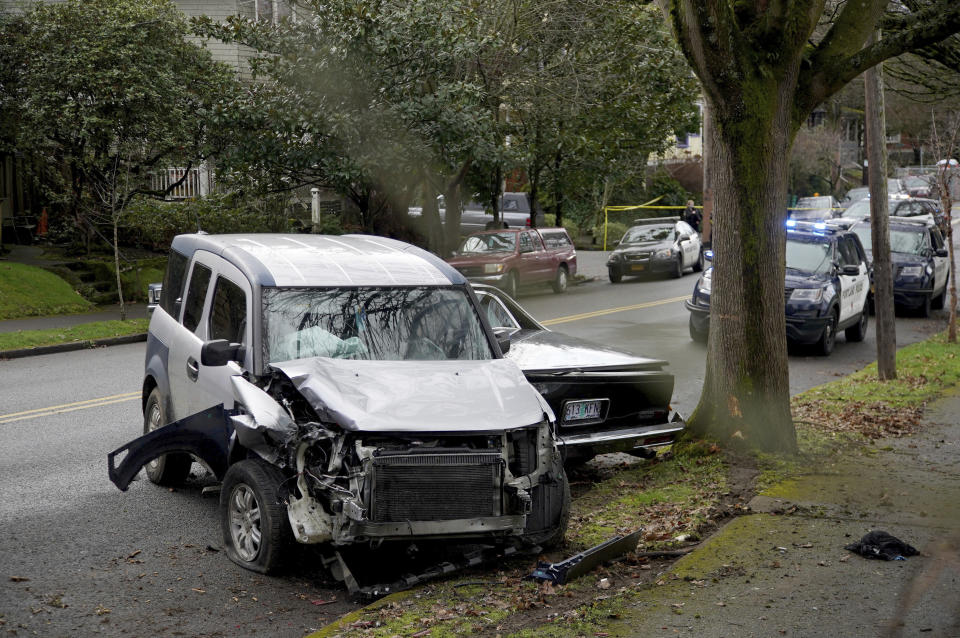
x,y
417,396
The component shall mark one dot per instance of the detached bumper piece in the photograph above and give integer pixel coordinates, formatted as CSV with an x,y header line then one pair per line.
x,y
366,593
584,562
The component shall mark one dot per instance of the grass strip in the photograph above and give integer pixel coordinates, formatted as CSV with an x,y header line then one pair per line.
x,y
29,291
82,332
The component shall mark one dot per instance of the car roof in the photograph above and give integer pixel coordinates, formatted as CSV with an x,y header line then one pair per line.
x,y
324,260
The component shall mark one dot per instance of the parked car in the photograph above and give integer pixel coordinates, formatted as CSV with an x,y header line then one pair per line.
x,y
826,289
658,245
345,390
918,257
512,258
514,213
854,195
605,399
920,185
815,208
925,210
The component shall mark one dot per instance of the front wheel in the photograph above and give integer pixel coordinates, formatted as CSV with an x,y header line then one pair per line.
x,y
937,302
829,336
253,519
700,336
169,469
698,265
615,275
858,332
925,306
677,271
560,280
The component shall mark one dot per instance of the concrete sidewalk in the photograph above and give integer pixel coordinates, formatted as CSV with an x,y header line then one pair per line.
x,y
783,570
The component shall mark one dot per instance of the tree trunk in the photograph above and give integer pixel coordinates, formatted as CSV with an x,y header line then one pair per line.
x,y
116,266
880,225
558,189
946,204
746,398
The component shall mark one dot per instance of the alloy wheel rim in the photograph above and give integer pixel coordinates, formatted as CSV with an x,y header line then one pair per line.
x,y
153,422
244,513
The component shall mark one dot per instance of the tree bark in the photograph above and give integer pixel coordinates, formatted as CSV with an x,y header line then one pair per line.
x,y
880,225
746,398
943,185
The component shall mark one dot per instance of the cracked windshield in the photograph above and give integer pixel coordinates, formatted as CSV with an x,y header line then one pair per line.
x,y
372,324
648,233
492,243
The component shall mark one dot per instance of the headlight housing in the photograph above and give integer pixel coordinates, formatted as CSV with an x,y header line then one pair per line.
x,y
929,269
706,281
806,294
492,269
911,271
666,253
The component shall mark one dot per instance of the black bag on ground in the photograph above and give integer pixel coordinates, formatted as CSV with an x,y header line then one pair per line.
x,y
882,546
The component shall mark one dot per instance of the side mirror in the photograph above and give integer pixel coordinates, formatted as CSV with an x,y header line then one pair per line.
x,y
942,252
503,339
851,270
220,352
683,237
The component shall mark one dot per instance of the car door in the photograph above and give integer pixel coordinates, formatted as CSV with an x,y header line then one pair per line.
x,y
531,267
940,264
193,386
853,288
689,248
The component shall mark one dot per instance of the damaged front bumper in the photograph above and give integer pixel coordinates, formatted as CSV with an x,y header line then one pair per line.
x,y
346,487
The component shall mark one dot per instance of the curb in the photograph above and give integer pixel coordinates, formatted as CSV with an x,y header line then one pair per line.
x,y
72,346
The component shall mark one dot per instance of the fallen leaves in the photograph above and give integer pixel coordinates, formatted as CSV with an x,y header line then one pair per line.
x,y
873,420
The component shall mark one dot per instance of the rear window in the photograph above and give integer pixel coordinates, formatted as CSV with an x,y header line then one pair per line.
x,y
555,239
173,281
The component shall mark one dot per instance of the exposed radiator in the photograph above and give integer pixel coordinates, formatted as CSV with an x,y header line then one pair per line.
x,y
436,487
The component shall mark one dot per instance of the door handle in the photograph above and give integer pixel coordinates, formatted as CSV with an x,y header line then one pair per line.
x,y
193,369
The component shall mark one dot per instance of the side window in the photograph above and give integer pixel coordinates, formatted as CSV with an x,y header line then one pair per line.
x,y
536,241
196,294
848,252
496,314
228,312
525,244
937,239
683,228
173,280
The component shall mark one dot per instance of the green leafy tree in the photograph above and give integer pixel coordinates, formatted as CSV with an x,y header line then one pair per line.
x,y
764,67
104,93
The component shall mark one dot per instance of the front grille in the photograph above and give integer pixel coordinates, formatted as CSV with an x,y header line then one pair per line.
x,y
786,294
638,256
471,271
435,487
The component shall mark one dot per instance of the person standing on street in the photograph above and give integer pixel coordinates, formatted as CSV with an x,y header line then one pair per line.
x,y
692,216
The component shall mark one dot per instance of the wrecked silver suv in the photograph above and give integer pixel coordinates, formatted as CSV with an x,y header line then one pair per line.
x,y
345,390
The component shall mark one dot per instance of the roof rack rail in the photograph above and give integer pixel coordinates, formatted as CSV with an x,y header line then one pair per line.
x,y
649,220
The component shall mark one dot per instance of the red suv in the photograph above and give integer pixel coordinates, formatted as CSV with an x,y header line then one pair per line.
x,y
511,258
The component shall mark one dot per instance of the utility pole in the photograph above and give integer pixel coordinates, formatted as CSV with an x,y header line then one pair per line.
x,y
880,221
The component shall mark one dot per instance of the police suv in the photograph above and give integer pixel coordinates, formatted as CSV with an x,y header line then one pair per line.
x,y
918,256
826,288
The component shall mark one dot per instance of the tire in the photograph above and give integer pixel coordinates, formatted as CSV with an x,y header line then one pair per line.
x,y
925,306
549,535
615,275
858,332
512,284
253,519
829,337
169,469
560,280
698,265
700,336
677,271
938,302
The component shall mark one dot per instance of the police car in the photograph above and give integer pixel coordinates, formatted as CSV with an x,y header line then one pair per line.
x,y
918,256
826,288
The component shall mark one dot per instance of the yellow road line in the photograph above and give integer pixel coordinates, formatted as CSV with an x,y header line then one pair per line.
x,y
67,407
610,311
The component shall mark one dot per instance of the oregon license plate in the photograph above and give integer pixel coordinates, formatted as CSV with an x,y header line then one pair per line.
x,y
637,267
584,412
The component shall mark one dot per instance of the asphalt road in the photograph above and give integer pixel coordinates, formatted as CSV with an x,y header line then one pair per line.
x,y
79,557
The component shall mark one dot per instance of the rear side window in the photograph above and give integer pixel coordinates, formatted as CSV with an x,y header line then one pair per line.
x,y
173,281
228,312
848,252
196,294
